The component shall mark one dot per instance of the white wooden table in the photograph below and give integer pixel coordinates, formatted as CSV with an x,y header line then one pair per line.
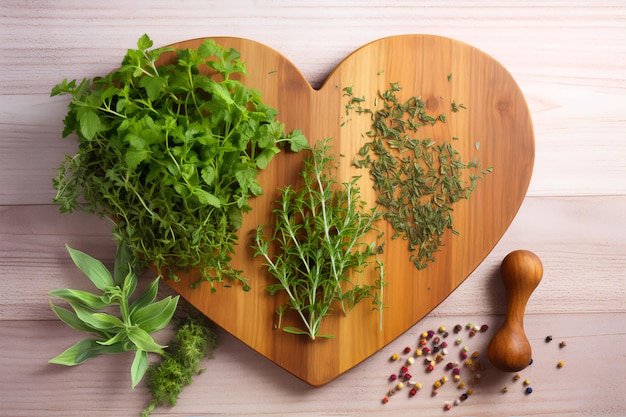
x,y
569,59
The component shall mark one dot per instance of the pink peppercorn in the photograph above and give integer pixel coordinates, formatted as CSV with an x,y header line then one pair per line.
x,y
443,345
472,333
393,377
413,392
385,400
484,328
407,377
447,406
407,349
430,368
404,370
463,355
426,350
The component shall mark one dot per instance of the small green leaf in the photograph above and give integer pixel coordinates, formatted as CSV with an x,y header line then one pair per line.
x,y
84,350
207,198
89,123
144,42
139,367
155,316
264,158
134,157
72,320
93,268
146,297
87,299
297,141
143,341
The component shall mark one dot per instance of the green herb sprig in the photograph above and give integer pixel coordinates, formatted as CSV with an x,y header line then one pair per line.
x,y
417,180
170,155
318,234
130,331
194,341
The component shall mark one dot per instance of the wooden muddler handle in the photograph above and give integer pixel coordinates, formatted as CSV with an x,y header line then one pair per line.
x,y
509,349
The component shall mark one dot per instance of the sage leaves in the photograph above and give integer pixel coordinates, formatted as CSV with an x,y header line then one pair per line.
x,y
318,240
130,331
170,154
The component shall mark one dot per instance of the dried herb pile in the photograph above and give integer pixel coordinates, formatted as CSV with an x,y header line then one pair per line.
x,y
417,180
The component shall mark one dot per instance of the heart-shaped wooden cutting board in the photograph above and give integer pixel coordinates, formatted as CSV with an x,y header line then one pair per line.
x,y
495,128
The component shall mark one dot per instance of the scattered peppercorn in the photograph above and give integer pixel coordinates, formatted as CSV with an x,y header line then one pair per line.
x,y
562,344
526,382
484,328
412,392
516,377
529,390
505,389
407,350
447,406
385,400
457,328
559,364
548,339
393,377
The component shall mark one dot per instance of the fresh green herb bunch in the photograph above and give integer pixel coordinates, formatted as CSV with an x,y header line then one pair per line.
x,y
318,238
193,342
128,332
417,181
170,155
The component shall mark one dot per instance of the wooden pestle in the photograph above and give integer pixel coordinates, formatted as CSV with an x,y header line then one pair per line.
x,y
509,349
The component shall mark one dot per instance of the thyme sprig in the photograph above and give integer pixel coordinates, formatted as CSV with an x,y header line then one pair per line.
x,y
319,232
416,179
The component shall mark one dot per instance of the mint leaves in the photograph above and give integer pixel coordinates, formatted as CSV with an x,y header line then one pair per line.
x,y
170,155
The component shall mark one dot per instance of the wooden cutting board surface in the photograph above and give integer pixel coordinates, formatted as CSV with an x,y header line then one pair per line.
x,y
495,128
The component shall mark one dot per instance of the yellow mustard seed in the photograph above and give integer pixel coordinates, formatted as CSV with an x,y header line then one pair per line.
x,y
526,382
394,357
444,379
437,384
457,378
461,385
470,391
559,364
516,377
418,385
418,352
399,386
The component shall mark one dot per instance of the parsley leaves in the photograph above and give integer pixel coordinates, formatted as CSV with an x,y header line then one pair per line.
x,y
170,155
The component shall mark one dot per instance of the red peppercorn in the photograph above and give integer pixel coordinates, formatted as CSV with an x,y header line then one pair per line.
x,y
484,328
430,368
443,345
393,377
426,350
472,333
463,355
404,370
449,365
456,371
413,392
385,400
407,377
407,349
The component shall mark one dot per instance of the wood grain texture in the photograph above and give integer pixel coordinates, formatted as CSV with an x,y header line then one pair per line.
x,y
569,60
495,129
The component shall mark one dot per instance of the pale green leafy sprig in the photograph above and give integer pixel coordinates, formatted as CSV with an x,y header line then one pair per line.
x,y
318,237
130,330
